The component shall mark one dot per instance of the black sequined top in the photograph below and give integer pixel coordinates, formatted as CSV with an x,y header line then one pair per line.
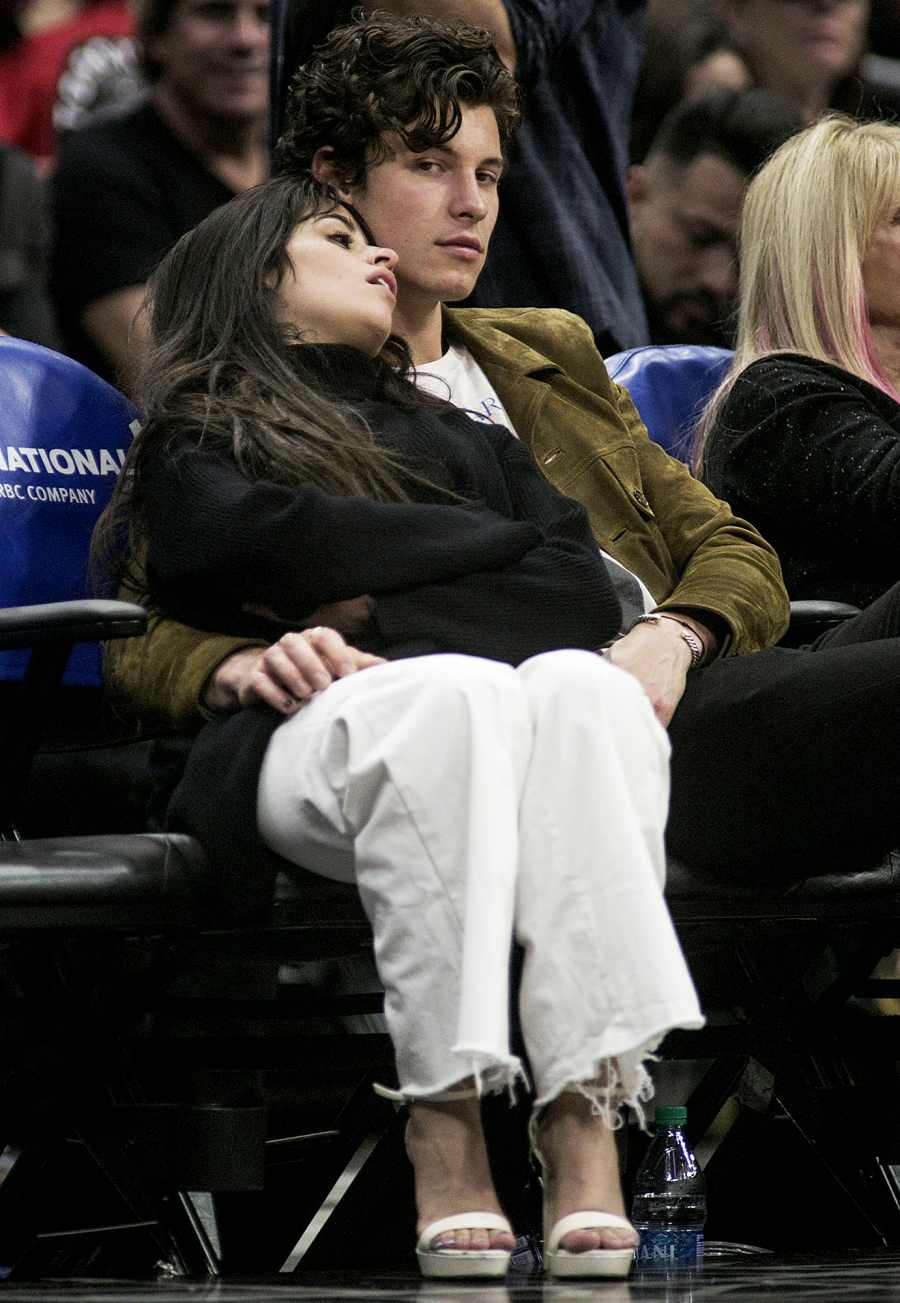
x,y
810,454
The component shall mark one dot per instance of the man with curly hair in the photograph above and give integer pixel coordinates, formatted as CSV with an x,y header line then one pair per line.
x,y
562,237
410,121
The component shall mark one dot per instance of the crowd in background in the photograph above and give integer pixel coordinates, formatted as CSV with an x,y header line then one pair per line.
x,y
123,126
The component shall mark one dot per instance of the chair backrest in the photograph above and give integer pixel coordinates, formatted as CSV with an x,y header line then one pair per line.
x,y
64,434
670,385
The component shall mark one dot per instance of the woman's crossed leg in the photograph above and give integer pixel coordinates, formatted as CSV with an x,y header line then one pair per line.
x,y
472,803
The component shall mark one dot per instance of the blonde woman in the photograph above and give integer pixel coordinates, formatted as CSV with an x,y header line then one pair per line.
x,y
803,436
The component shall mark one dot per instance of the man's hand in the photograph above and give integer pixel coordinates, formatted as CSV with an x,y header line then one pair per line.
x,y
659,659
349,616
286,674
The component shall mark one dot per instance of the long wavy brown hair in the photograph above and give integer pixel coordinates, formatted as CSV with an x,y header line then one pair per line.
x,y
221,370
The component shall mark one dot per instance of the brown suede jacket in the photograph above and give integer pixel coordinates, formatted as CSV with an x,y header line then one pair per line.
x,y
646,508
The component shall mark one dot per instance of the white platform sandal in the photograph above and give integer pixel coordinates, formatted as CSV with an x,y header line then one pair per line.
x,y
443,1263
446,1263
592,1262
565,1263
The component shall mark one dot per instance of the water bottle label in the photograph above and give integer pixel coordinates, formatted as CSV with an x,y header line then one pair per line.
x,y
670,1249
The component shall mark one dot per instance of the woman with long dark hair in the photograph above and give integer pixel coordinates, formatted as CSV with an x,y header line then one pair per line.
x,y
470,762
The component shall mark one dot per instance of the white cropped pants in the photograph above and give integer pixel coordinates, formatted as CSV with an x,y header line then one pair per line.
x,y
473,803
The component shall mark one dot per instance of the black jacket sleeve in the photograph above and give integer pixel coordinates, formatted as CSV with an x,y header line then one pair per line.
x,y
223,541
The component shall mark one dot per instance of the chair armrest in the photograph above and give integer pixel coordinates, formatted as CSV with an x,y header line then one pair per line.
x,y
50,630
818,608
88,620
812,617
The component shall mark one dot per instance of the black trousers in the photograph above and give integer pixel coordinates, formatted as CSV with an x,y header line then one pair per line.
x,y
787,762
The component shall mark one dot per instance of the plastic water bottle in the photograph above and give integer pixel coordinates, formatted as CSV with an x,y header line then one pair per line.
x,y
669,1208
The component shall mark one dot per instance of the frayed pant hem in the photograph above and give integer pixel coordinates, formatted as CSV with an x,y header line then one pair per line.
x,y
489,1074
612,1083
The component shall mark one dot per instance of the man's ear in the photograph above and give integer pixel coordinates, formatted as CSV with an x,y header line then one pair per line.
x,y
635,184
325,169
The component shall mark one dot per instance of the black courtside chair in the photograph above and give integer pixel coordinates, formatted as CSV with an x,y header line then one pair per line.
x,y
142,1026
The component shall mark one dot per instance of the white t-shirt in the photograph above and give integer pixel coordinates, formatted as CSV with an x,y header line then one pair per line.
x,y
459,379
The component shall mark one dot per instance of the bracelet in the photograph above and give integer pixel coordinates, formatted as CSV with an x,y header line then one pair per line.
x,y
687,634
699,650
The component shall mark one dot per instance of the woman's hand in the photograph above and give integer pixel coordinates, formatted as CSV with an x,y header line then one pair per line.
x,y
286,674
659,659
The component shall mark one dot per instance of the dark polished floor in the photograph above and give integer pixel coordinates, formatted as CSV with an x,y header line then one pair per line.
x,y
865,1275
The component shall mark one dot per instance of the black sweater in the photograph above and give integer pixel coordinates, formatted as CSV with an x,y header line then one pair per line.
x,y
518,574
512,575
811,454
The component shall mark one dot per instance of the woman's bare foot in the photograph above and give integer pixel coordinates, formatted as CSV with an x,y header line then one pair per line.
x,y
445,1144
582,1172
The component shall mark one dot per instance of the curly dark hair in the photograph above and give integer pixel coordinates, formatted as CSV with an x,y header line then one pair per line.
x,y
382,74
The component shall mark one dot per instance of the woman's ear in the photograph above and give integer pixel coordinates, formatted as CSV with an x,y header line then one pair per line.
x,y
325,170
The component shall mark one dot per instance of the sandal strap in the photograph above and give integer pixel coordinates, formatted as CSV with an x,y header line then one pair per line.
x,y
461,1222
585,1221
397,1096
442,1096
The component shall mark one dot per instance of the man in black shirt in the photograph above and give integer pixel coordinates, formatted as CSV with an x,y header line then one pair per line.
x,y
126,190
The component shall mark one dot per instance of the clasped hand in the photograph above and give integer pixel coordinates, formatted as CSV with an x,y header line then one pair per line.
x,y
298,665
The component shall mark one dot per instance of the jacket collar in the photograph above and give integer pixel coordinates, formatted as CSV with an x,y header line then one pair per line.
x,y
491,346
518,372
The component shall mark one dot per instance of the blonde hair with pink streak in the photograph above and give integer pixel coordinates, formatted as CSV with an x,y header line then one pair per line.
x,y
808,218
